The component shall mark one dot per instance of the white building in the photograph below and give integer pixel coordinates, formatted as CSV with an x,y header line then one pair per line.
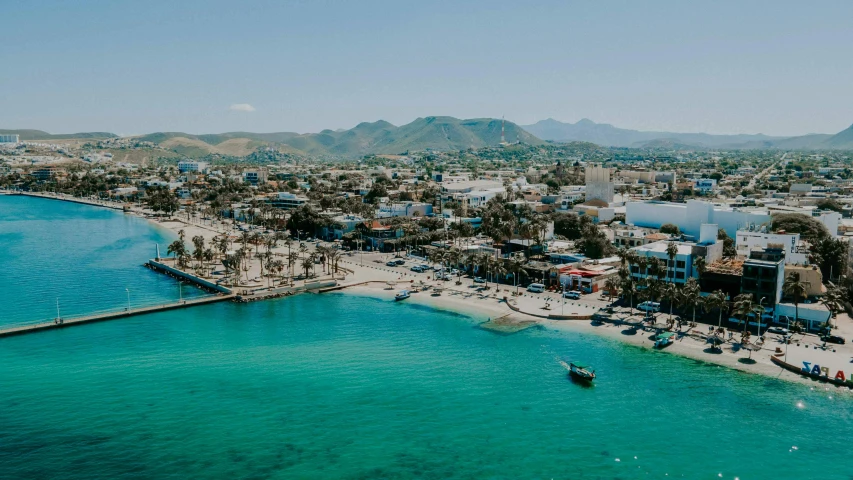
x,y
287,200
747,240
404,209
708,247
192,166
705,185
477,198
688,217
255,177
10,138
469,186
598,184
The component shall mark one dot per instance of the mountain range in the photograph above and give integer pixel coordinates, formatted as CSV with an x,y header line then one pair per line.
x,y
607,135
448,133
380,137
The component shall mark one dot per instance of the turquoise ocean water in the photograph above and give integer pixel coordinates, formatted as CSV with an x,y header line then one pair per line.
x,y
81,255
341,386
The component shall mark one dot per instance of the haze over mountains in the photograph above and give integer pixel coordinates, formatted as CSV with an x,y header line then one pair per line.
x,y
607,135
448,133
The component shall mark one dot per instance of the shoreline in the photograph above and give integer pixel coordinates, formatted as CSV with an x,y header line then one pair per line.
x,y
370,280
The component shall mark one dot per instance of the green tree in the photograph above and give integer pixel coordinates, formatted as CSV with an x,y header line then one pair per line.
x,y
796,290
809,228
691,296
669,228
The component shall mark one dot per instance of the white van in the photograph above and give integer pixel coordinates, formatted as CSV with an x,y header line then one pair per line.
x,y
649,306
536,288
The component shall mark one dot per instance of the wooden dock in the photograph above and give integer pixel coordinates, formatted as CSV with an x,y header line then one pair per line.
x,y
70,322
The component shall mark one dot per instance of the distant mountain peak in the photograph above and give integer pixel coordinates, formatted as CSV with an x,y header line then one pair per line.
x,y
585,121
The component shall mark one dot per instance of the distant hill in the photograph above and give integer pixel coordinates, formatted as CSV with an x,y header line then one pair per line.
x,y
41,135
607,135
381,137
841,140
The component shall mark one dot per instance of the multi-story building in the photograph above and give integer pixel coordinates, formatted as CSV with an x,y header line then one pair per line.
x,y
47,172
705,185
763,276
255,177
186,166
10,138
598,184
749,240
686,252
286,200
689,217
404,209
683,266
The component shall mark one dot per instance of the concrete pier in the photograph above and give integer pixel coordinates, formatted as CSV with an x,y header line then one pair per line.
x,y
38,327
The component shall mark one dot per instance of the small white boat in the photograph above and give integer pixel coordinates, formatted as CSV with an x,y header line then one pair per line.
x,y
402,295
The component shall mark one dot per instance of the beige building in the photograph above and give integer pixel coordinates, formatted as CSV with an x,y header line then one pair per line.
x,y
809,275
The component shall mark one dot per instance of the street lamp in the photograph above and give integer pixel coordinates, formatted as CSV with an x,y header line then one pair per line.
x,y
128,299
760,314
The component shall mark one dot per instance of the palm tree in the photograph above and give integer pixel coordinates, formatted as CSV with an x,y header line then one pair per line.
x,y
671,252
744,305
307,265
671,292
797,290
198,249
179,250
691,295
221,244
717,300
833,301
498,269
292,258
611,285
333,257
208,257
516,267
700,265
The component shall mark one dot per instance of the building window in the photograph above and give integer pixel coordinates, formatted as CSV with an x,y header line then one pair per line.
x,y
635,269
679,264
679,275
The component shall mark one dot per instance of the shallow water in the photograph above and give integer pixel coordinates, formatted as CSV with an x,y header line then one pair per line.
x,y
344,386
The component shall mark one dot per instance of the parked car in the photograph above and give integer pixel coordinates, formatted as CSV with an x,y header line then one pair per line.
x,y
572,294
649,306
443,276
400,261
479,280
779,330
391,263
417,268
833,339
454,271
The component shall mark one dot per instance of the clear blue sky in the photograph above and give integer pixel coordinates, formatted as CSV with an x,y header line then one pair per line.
x,y
780,67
